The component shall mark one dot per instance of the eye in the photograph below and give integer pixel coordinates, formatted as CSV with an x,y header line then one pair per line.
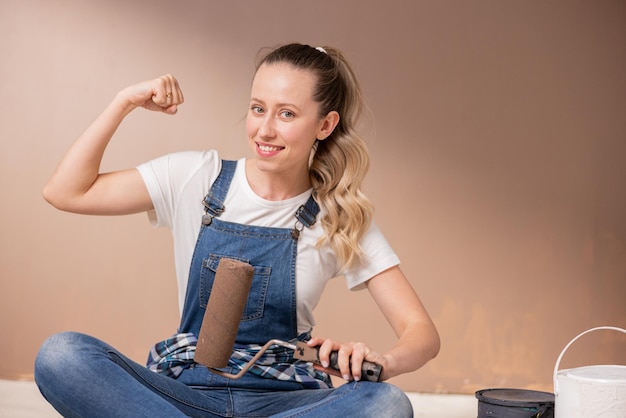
x,y
256,109
286,114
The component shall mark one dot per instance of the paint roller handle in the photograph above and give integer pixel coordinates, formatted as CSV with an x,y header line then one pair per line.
x,y
369,371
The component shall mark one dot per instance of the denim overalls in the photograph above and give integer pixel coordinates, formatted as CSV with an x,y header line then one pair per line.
x,y
83,376
270,310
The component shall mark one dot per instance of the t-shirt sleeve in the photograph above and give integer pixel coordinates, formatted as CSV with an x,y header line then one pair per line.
x,y
378,256
166,177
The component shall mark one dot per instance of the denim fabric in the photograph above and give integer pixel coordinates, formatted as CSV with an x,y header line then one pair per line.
x,y
270,311
84,377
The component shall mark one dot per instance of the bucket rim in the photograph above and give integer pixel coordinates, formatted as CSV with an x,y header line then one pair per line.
x,y
577,374
541,398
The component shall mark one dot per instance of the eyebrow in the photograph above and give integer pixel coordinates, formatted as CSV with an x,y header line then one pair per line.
x,y
254,99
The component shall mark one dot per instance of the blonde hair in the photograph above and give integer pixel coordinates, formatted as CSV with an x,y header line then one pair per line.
x,y
341,161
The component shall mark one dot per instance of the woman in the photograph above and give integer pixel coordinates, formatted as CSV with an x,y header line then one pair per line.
x,y
294,211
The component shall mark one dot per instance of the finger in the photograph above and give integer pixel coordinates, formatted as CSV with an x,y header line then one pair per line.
x,y
359,354
167,93
177,92
324,351
315,341
343,361
173,93
172,110
159,91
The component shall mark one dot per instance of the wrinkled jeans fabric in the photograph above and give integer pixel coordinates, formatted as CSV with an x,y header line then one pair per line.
x,y
82,376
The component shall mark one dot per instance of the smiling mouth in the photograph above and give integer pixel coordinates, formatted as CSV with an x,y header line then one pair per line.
x,y
268,149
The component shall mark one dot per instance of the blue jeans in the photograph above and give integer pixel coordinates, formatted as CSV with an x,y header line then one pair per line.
x,y
84,377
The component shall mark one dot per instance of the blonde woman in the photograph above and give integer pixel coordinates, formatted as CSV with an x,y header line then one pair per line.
x,y
294,211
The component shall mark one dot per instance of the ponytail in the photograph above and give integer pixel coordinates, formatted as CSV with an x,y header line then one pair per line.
x,y
341,161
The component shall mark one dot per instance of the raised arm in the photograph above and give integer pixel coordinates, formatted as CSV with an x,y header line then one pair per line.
x,y
78,186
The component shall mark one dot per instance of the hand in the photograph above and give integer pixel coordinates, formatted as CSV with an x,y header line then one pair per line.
x,y
350,357
162,94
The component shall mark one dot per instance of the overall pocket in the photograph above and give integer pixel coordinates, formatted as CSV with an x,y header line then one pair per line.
x,y
256,298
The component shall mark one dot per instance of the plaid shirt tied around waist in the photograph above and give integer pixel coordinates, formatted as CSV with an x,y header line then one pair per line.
x,y
175,354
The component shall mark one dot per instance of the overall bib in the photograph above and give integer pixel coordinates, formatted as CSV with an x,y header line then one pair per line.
x,y
270,310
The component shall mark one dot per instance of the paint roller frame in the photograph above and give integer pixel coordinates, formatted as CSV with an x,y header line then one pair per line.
x,y
233,280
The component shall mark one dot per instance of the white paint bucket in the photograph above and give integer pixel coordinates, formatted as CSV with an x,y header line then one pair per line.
x,y
590,391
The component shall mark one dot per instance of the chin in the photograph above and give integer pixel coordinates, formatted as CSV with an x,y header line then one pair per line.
x,y
263,164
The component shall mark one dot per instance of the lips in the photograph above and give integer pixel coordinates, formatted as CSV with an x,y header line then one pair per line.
x,y
268,150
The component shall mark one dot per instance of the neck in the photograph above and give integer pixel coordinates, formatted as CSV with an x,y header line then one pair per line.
x,y
276,186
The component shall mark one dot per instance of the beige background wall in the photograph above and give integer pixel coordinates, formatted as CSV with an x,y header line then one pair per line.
x,y
498,143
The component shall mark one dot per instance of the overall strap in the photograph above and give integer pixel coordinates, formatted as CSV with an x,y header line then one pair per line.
x,y
305,216
214,201
307,213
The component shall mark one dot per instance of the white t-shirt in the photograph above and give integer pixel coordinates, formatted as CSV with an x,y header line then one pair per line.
x,y
178,183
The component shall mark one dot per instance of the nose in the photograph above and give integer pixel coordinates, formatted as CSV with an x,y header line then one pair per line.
x,y
266,128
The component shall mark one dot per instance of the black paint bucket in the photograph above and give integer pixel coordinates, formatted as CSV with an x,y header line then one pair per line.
x,y
514,403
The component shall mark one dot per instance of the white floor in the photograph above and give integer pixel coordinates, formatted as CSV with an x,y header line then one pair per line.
x,y
19,399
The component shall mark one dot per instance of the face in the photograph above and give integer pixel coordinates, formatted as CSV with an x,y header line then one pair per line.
x,y
283,119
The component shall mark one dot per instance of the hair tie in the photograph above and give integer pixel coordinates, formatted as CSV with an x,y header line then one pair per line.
x,y
319,48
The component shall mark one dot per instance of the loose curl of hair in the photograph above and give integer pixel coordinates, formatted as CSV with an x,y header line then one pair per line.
x,y
340,162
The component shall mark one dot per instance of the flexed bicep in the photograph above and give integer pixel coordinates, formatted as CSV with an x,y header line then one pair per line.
x,y
77,185
117,193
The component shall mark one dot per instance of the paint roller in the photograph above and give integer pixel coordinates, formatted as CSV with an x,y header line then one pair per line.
x,y
233,279
227,301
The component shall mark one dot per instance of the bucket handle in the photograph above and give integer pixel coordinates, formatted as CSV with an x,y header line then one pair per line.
x,y
558,361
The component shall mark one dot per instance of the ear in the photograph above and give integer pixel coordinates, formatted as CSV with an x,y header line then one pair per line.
x,y
329,123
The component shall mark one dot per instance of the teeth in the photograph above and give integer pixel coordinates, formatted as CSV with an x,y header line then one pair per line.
x,y
267,148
